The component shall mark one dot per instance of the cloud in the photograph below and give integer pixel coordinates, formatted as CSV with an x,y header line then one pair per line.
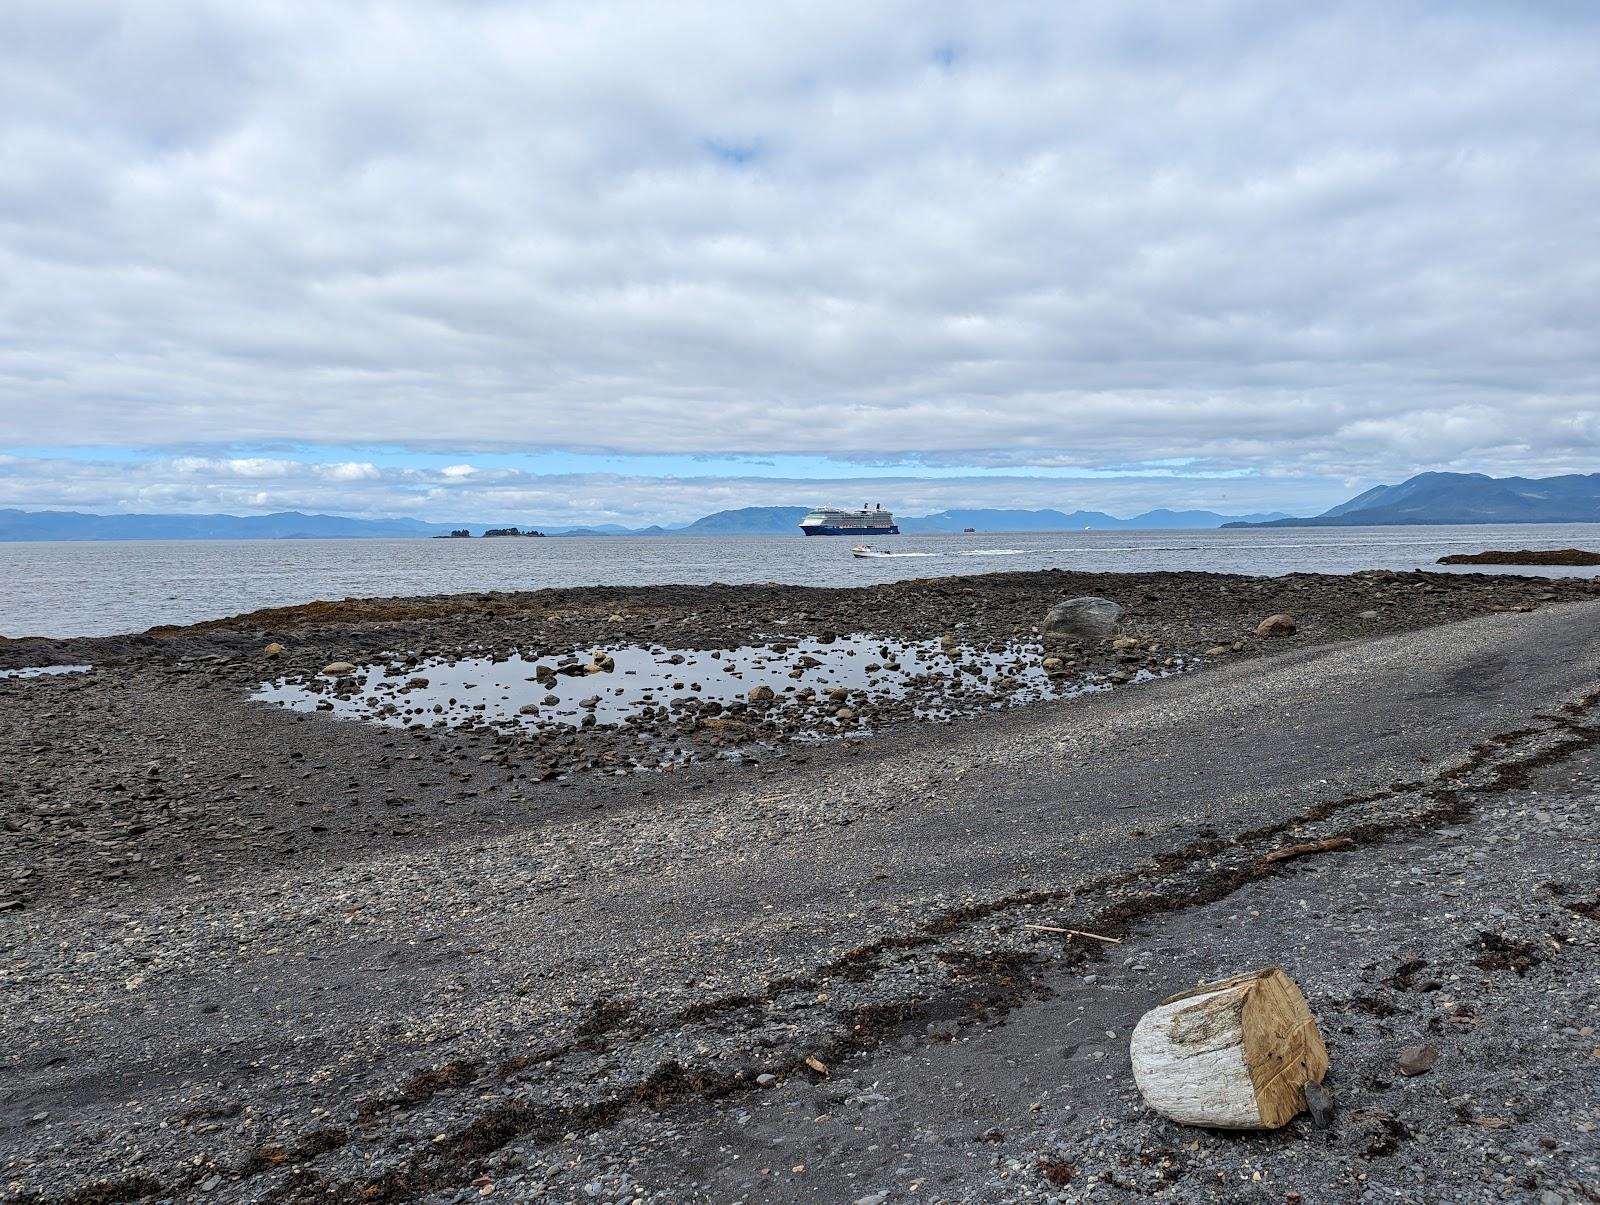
x,y
195,485
1288,241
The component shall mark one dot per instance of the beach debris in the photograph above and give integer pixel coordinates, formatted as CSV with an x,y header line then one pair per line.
x,y
1087,616
1286,852
1116,941
337,669
1055,1170
816,1064
1414,1060
1233,1055
1277,625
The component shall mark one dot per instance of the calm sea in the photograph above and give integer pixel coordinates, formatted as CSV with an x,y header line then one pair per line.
x,y
99,588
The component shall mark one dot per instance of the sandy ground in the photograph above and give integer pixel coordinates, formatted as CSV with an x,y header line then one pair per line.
x,y
339,962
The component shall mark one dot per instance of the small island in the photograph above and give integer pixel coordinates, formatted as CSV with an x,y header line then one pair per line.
x,y
463,533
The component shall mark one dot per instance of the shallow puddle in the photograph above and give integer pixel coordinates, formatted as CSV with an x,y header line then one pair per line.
x,y
810,681
43,671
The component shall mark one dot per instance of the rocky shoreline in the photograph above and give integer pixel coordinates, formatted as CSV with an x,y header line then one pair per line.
x,y
262,954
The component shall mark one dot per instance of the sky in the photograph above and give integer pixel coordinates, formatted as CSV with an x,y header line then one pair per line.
x,y
616,262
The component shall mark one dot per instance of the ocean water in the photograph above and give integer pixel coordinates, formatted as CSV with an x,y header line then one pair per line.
x,y
100,588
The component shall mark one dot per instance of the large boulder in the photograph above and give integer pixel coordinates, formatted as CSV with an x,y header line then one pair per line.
x,y
1087,617
1277,625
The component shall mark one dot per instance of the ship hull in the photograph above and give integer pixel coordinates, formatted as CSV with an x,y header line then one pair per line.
x,y
891,530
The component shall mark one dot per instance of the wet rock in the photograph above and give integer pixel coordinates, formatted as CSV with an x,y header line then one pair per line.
x,y
1277,625
760,694
273,650
337,669
1094,618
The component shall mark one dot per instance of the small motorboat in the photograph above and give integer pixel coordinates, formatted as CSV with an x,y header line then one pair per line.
x,y
865,550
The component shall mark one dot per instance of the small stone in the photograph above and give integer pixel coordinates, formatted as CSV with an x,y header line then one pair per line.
x,y
210,1183
273,650
1125,642
844,713
1218,650
1414,1060
760,694
335,669
1320,1102
766,1078
1369,615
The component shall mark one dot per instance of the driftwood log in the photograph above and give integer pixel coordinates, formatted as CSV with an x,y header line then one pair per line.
x,y
1234,1055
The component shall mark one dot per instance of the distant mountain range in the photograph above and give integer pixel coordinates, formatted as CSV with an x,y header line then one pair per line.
x,y
1077,520
288,525
1461,498
749,520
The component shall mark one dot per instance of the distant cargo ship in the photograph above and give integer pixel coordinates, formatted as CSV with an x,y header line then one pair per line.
x,y
825,521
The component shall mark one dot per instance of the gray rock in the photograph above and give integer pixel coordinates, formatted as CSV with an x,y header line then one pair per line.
x,y
1089,617
1320,1102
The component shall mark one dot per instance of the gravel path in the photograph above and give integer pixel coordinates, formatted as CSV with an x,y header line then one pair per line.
x,y
491,983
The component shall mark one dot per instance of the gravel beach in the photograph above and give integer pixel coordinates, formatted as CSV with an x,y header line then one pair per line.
x,y
766,953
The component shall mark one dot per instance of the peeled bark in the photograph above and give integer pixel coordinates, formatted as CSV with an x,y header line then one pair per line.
x,y
1234,1055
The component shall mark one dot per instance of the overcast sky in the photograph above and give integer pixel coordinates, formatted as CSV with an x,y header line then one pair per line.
x,y
531,260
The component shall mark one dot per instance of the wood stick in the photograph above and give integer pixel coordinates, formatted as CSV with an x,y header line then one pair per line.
x,y
1286,852
1116,941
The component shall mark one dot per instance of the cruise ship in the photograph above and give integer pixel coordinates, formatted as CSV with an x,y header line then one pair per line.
x,y
825,521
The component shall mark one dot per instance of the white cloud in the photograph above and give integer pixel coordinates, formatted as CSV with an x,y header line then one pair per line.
x,y
1345,242
588,498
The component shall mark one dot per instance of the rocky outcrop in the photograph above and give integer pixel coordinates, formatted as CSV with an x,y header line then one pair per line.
x,y
1524,556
